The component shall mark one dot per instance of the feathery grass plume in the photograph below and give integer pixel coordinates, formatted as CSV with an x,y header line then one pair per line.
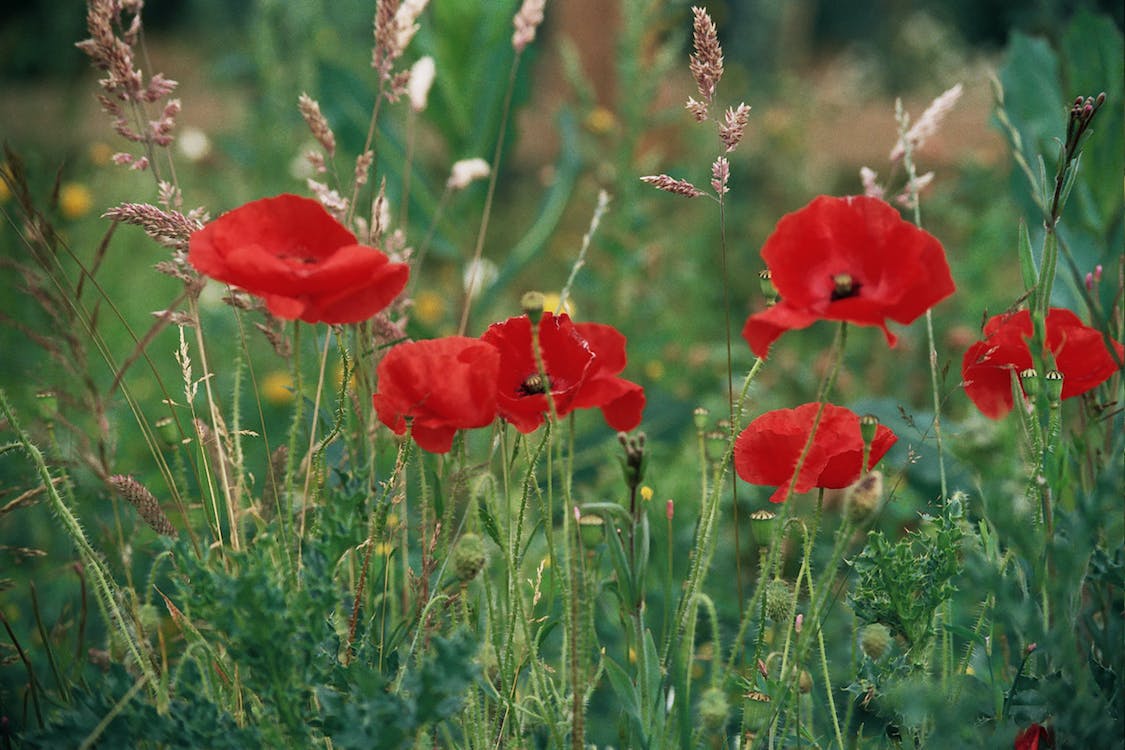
x,y
115,28
148,507
467,171
672,185
170,228
734,125
526,22
422,74
871,188
404,21
333,202
317,122
720,173
928,124
392,32
706,63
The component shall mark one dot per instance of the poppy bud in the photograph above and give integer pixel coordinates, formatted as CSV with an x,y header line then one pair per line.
x,y
874,639
591,530
778,600
713,708
761,525
756,711
804,682
469,557
1054,381
863,497
532,305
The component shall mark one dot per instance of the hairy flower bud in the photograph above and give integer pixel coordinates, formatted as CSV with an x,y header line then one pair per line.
x,y
864,496
713,708
778,600
874,640
469,557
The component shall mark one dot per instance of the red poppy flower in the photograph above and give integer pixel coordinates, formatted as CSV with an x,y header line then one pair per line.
x,y
306,265
1080,355
581,364
442,385
1030,738
767,451
852,259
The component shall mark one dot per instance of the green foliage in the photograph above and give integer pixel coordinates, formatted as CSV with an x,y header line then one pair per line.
x,y
902,584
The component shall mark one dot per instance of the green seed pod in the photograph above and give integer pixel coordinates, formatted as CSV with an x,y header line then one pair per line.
x,y
868,427
1029,378
762,523
591,530
713,709
874,640
1054,384
778,600
756,711
699,417
469,557
532,304
47,404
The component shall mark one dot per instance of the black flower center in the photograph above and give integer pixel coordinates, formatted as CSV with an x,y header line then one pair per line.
x,y
844,286
532,385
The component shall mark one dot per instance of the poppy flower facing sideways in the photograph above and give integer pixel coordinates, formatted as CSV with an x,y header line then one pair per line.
x,y
852,259
767,451
441,386
581,363
307,266
1035,737
1080,355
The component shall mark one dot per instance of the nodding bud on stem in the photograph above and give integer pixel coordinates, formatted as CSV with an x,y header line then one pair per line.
x,y
469,557
864,496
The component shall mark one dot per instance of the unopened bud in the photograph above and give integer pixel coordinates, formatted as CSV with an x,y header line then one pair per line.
x,y
778,600
713,708
469,557
863,497
669,509
804,682
874,639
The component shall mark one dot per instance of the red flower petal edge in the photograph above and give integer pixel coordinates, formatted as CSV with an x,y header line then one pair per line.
x,y
292,253
440,386
581,362
1030,738
851,259
767,451
1080,353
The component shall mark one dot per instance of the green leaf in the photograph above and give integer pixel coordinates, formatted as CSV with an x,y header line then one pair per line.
x,y
1027,261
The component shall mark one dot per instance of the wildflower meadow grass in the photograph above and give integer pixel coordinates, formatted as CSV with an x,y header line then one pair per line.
x,y
401,411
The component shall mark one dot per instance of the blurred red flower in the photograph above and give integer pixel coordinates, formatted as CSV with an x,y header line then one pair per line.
x,y
290,252
1080,355
1030,738
581,363
767,451
852,259
441,386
